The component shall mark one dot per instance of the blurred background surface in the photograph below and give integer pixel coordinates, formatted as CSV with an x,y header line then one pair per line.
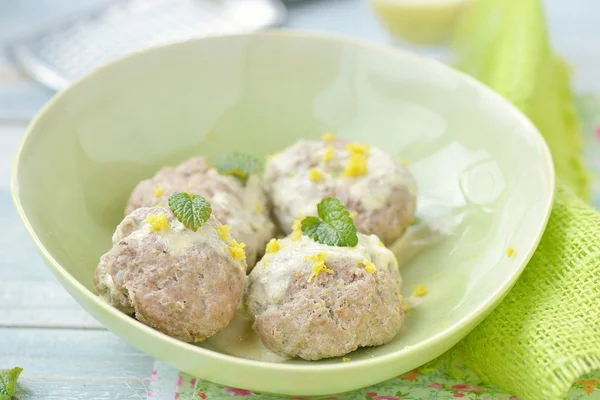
x,y
573,24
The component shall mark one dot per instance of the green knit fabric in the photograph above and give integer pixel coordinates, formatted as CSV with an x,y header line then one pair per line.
x,y
546,333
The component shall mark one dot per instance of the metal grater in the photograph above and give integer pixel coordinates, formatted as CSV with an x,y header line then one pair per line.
x,y
62,53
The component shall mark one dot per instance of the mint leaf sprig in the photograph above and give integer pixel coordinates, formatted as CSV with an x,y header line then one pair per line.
x,y
8,382
239,165
191,210
334,227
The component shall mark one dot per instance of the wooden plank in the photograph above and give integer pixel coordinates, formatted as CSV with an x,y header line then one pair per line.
x,y
74,364
83,390
25,303
30,295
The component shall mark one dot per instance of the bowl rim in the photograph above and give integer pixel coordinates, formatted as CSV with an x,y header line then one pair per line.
x,y
481,310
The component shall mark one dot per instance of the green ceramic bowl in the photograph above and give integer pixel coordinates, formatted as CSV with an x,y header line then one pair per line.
x,y
468,148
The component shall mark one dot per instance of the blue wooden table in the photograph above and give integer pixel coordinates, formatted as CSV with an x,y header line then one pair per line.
x,y
65,353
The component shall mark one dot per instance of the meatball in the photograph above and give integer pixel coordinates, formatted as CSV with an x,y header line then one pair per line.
x,y
185,284
315,301
373,185
242,207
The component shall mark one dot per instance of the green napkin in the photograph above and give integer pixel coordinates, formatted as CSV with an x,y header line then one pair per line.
x,y
504,44
546,333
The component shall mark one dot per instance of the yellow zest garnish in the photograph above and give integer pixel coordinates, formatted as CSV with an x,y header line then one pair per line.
x,y
272,246
404,161
369,266
399,296
510,251
154,251
223,232
346,359
159,205
316,257
353,214
357,148
328,153
318,265
296,230
357,166
264,263
315,175
380,244
157,222
158,191
405,306
397,309
258,207
419,290
328,137
324,292
237,250
317,268
436,276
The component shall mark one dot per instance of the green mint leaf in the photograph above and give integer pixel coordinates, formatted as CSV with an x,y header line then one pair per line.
x,y
335,226
191,210
239,165
310,227
8,382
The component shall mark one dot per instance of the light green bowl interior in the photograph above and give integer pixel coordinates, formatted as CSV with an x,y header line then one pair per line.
x,y
468,149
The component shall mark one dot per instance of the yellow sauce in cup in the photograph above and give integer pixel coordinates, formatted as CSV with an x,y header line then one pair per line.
x,y
420,21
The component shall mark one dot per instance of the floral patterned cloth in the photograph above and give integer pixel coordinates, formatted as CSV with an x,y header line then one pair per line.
x,y
421,384
444,378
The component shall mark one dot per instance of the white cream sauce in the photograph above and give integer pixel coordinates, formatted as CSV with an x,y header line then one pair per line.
x,y
178,239
435,222
301,195
276,271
